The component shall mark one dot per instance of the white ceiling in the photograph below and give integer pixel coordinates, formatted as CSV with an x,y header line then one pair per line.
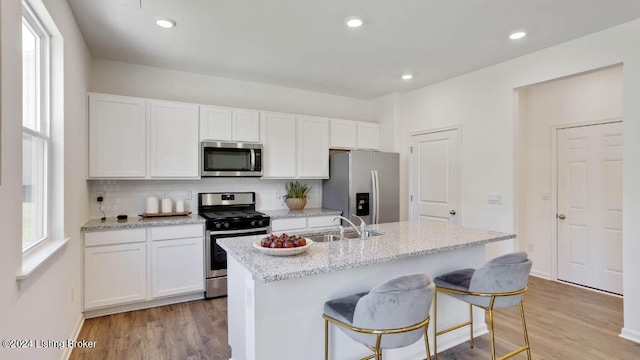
x,y
304,43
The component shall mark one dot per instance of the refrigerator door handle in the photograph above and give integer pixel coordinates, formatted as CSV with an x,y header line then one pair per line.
x,y
373,197
377,201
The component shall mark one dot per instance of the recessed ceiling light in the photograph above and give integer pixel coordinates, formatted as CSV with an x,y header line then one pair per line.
x,y
354,21
517,35
166,23
407,77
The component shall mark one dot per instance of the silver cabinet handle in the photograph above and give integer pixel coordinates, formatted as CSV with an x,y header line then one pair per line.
x,y
452,212
561,216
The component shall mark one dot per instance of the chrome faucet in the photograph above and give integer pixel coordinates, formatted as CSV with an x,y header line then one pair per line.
x,y
362,225
350,223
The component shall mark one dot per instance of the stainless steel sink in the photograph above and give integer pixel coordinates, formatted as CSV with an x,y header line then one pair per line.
x,y
335,236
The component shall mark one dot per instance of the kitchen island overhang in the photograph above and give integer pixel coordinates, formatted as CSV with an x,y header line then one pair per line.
x,y
276,303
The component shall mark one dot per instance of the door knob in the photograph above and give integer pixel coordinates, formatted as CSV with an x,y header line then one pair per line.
x,y
452,212
561,216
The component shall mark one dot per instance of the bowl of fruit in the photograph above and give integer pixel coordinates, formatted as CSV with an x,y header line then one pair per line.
x,y
283,245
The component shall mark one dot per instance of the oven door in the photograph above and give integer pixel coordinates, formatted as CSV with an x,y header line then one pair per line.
x,y
231,159
216,260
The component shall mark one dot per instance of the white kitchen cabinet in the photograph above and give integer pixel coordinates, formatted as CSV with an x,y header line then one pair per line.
x,y
368,136
226,124
313,147
278,133
174,146
322,221
343,134
117,133
302,223
177,266
114,274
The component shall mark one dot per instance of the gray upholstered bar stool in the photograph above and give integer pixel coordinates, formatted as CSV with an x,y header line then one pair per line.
x,y
500,283
397,308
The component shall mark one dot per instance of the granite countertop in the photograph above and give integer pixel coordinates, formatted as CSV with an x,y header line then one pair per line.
x,y
286,213
136,222
402,240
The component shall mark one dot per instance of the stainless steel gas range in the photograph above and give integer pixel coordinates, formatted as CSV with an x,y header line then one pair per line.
x,y
228,215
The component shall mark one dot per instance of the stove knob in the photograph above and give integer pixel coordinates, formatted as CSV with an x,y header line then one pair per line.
x,y
218,225
260,222
253,223
226,225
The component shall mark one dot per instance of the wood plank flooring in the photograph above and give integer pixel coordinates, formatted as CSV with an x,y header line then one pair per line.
x,y
564,322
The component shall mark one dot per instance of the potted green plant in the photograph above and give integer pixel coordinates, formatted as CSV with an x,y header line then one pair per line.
x,y
296,194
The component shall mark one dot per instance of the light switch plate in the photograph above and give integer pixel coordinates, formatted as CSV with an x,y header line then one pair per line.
x,y
495,198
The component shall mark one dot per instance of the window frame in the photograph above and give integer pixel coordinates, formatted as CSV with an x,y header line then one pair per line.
x,y
43,103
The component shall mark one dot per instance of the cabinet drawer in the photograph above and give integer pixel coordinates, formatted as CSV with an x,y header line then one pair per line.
x,y
322,221
176,232
288,224
114,237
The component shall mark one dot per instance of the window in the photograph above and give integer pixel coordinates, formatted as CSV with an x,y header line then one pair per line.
x,y
35,129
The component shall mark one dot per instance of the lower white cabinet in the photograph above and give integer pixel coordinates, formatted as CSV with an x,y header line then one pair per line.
x,y
303,223
177,266
132,266
114,274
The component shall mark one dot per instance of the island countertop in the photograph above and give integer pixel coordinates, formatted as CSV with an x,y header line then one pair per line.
x,y
401,240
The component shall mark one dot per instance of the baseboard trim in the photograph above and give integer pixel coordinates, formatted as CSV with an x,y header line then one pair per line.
x,y
540,274
459,336
631,335
66,354
88,314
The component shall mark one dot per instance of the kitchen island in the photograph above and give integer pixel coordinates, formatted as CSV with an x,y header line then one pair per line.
x,y
276,303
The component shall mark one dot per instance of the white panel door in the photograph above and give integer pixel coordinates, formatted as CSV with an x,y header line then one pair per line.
x,y
246,125
313,148
434,176
114,274
216,123
117,133
174,140
590,206
177,266
279,141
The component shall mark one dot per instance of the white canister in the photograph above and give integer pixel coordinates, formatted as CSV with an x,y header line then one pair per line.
x,y
166,205
152,205
180,205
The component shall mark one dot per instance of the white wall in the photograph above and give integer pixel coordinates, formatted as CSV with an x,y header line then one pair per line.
x,y
41,307
587,97
149,82
482,102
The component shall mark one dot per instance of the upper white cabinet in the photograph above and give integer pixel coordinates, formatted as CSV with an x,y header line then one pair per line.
x,y
368,136
313,147
174,146
117,133
343,134
226,124
347,134
279,141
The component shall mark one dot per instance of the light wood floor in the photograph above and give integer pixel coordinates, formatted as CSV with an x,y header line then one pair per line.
x,y
564,322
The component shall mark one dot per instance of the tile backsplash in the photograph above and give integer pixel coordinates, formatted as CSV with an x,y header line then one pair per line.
x,y
128,197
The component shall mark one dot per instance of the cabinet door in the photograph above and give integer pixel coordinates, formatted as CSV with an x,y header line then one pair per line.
x,y
313,147
216,123
279,140
117,132
177,266
114,274
343,134
368,136
246,125
174,140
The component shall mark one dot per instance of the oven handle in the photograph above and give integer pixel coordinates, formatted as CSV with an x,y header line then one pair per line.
x,y
223,232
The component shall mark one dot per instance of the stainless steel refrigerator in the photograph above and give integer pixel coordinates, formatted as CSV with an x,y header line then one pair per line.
x,y
365,183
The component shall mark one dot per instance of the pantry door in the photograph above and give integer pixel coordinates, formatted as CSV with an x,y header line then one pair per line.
x,y
589,219
434,176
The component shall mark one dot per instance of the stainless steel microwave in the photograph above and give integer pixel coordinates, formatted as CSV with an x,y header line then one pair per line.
x,y
228,159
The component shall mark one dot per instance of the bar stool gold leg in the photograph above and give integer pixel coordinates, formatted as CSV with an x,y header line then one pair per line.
x,y
471,325
524,328
326,339
493,341
435,325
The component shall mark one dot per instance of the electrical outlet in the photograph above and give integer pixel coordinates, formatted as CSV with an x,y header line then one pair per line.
x,y
187,195
530,247
73,294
